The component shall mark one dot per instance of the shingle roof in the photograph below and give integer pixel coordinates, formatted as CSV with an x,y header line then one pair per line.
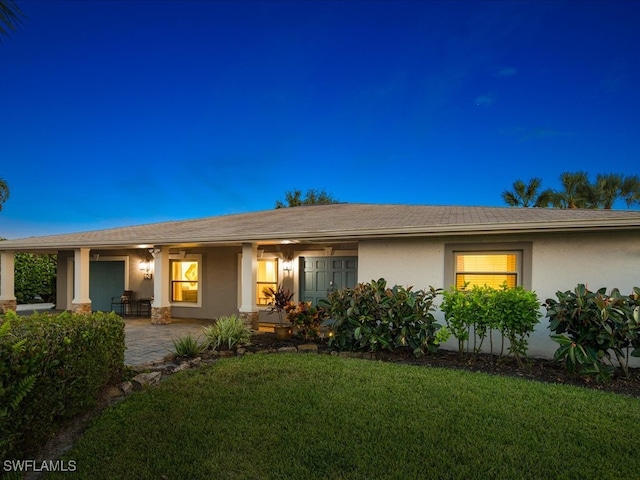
x,y
338,222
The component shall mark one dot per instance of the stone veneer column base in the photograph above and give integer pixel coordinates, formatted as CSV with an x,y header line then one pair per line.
x,y
81,308
8,306
160,315
250,319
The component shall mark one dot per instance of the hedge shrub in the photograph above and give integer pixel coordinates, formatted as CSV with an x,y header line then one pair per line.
x,y
514,312
52,367
373,317
591,326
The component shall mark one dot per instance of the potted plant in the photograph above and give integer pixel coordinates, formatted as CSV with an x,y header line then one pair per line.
x,y
281,301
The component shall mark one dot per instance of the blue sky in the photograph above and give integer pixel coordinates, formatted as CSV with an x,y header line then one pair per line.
x,y
116,113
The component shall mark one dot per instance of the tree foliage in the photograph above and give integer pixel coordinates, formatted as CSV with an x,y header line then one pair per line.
x,y
527,195
35,277
576,191
294,198
10,15
4,192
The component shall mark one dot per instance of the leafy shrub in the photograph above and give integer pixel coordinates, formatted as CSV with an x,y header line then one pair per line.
x,y
372,317
35,277
589,326
306,318
466,310
514,312
280,300
229,330
52,368
187,346
517,312
11,394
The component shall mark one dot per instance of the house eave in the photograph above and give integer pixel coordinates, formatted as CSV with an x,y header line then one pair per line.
x,y
332,235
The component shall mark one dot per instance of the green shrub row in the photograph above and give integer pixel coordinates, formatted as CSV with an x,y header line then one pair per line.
x,y
513,312
591,326
52,367
595,331
373,317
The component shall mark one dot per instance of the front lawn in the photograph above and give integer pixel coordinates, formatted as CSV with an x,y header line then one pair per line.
x,y
319,416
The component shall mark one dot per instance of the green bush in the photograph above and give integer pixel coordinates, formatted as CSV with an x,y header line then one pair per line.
x,y
35,277
514,312
372,317
52,367
590,326
229,331
306,318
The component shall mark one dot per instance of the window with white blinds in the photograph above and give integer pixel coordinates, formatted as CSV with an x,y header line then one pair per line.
x,y
492,269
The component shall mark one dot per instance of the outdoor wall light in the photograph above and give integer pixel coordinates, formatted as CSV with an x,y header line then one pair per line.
x,y
145,268
287,265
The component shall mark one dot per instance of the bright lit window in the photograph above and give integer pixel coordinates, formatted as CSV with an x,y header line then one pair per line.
x,y
184,281
267,278
492,269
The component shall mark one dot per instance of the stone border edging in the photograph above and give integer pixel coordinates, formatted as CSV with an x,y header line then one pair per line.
x,y
150,374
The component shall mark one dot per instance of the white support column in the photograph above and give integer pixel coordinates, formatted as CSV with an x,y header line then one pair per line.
x,y
161,306
7,282
249,274
81,302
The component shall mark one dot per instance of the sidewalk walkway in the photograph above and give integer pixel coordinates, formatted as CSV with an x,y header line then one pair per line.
x,y
149,343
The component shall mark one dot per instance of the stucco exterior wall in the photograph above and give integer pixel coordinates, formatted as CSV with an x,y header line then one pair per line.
x,y
598,260
559,262
416,262
220,285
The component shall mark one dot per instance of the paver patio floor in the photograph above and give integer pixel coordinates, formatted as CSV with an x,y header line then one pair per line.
x,y
150,343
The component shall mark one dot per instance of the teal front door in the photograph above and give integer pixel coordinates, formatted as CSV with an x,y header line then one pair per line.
x,y
106,280
321,275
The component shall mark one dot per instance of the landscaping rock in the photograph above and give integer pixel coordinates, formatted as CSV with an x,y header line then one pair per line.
x,y
146,379
181,367
241,351
308,348
287,350
126,387
113,392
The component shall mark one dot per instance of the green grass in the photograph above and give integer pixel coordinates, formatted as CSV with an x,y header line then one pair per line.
x,y
318,416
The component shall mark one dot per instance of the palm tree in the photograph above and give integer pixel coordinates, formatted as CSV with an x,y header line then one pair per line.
x,y
575,193
606,190
9,17
610,187
4,192
527,195
630,190
312,197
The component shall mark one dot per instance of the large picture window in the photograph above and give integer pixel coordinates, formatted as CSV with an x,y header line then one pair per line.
x,y
490,269
185,277
267,277
491,264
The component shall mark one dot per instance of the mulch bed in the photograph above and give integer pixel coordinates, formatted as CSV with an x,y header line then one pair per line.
x,y
535,369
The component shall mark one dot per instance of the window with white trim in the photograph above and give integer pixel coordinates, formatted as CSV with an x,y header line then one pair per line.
x,y
185,280
267,277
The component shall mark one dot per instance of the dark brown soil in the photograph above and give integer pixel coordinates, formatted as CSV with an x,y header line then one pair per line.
x,y
535,369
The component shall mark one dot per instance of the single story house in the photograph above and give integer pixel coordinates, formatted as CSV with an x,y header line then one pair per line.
x,y
214,266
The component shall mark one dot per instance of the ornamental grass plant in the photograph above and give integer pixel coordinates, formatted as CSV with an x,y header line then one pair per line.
x,y
227,332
